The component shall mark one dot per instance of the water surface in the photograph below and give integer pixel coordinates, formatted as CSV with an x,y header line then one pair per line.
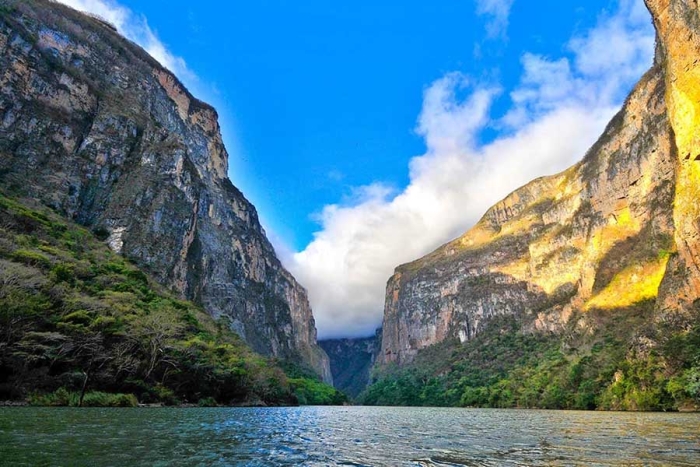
x,y
350,436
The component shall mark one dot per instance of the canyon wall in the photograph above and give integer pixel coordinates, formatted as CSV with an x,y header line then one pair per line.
x,y
95,128
352,361
617,230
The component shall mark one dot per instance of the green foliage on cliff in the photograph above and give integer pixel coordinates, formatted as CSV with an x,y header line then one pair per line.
x,y
308,389
311,392
625,364
80,325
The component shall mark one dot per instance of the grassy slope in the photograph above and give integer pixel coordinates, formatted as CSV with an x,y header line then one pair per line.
x,y
75,317
625,364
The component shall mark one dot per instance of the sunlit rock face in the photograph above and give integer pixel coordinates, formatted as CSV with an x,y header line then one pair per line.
x,y
617,230
98,130
678,30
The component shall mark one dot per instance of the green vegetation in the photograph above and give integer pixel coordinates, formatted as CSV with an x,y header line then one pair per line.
x,y
308,389
63,397
312,392
614,367
81,326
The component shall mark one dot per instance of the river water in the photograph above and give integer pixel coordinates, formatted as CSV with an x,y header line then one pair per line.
x,y
350,436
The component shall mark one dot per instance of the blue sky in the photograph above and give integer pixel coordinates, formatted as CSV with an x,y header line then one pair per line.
x,y
370,132
318,97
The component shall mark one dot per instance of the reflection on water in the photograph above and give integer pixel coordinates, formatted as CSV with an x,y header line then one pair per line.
x,y
352,436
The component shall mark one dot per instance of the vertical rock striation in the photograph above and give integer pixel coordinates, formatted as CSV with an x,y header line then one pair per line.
x,y
618,230
95,128
677,24
352,361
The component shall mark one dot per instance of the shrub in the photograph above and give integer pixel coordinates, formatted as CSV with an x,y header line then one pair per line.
x,y
165,395
103,399
207,402
31,258
474,397
63,273
78,317
64,398
59,398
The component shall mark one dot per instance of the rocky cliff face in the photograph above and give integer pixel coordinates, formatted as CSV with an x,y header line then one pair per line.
x,y
96,129
617,230
352,361
677,24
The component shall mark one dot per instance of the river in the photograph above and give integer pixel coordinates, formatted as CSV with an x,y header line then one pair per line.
x,y
351,436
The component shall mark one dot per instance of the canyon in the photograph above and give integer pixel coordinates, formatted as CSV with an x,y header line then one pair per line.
x,y
578,290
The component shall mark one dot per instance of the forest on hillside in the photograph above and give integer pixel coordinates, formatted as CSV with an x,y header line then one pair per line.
x,y
83,326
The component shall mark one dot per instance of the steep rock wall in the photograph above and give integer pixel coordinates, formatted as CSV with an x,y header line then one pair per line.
x,y
617,230
678,35
352,361
95,128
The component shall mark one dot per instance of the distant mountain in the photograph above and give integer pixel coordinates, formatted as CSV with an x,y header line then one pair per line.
x,y
352,361
595,270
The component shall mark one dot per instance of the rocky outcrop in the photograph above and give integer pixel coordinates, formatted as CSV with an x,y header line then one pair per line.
x,y
352,361
95,128
677,24
617,230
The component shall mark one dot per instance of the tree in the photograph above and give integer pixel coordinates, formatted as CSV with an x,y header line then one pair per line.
x,y
20,299
155,334
89,351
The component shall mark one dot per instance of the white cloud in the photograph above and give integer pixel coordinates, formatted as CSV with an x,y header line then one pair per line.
x,y
560,107
497,12
135,28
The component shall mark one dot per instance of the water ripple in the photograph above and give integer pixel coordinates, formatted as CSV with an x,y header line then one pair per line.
x,y
344,436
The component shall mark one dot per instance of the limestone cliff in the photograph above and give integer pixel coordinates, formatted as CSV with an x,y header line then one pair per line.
x,y
616,230
352,361
95,128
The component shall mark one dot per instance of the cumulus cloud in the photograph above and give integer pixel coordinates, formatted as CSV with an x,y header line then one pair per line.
x,y
135,28
556,112
497,12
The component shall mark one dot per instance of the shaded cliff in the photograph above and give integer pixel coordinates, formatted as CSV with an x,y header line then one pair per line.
x,y
96,129
82,326
567,256
352,361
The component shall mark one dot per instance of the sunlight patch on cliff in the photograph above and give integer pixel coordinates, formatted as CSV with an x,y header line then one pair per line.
x,y
630,286
685,114
621,226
